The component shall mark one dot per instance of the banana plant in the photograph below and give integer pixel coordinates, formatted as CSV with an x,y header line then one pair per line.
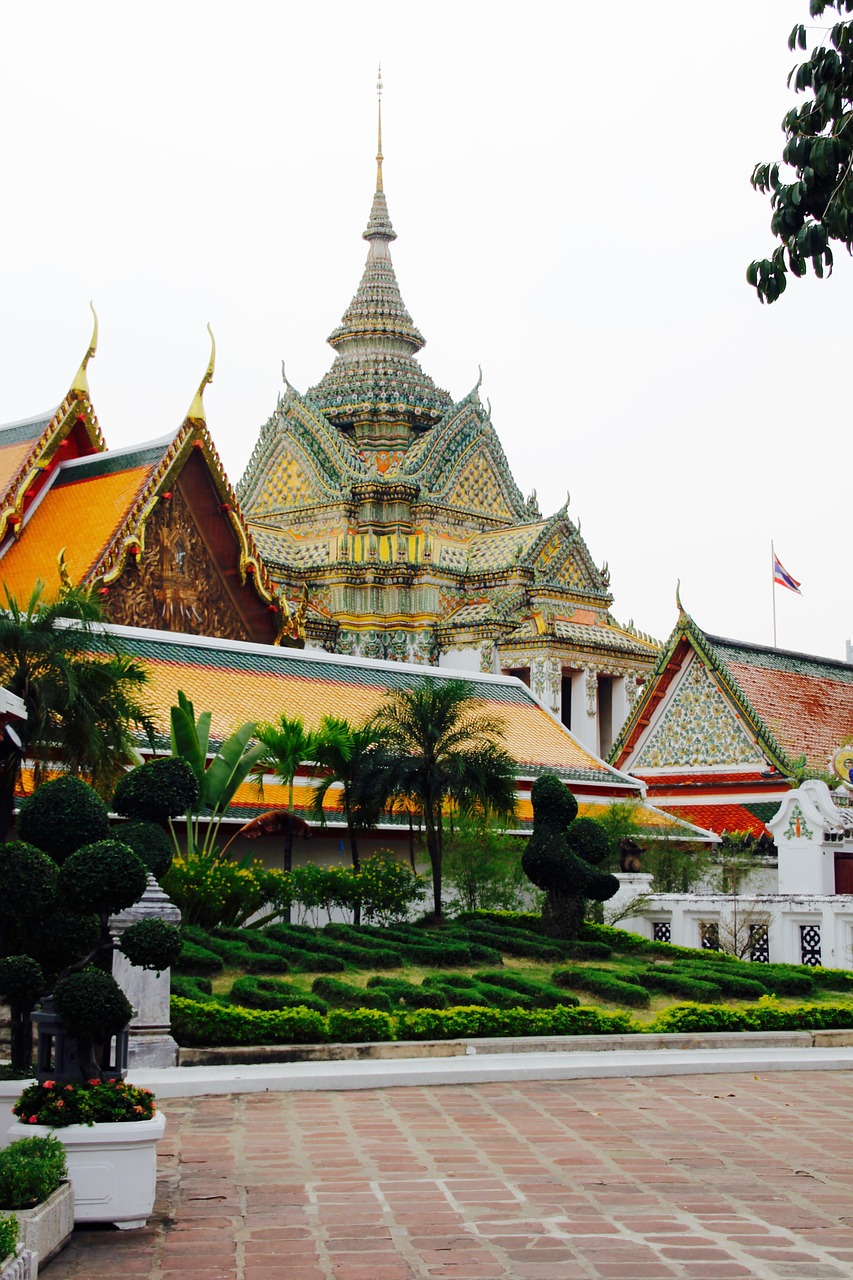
x,y
217,781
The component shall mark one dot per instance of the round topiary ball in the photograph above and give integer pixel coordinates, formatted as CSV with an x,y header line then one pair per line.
x,y
553,802
157,790
63,815
588,839
103,877
91,1005
28,880
21,980
67,938
152,944
150,843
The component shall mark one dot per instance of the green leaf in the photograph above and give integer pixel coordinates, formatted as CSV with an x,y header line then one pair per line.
x,y
230,767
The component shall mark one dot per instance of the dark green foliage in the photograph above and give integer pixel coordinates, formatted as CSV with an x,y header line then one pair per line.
x,y
817,205
190,988
530,921
602,984
157,790
513,942
150,843
833,979
28,880
342,995
452,982
465,1023
31,1169
21,980
561,856
62,816
586,950
617,939
764,1017
217,1024
359,1026
543,994
104,877
237,956
314,944
410,994
8,1237
271,993
197,960
91,1005
65,939
677,984
731,984
151,944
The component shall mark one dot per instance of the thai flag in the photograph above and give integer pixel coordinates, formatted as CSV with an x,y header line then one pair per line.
x,y
783,577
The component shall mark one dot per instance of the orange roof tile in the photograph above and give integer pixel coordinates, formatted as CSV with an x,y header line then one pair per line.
x,y
82,516
12,458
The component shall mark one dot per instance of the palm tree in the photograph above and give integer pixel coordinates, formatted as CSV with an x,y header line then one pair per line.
x,y
285,746
80,691
439,748
350,756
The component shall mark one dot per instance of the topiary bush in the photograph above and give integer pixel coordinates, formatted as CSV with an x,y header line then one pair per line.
x,y
150,843
157,791
196,1023
91,1005
602,984
562,863
197,961
342,995
61,816
151,944
270,993
543,994
355,1026
103,877
182,984
411,994
31,1169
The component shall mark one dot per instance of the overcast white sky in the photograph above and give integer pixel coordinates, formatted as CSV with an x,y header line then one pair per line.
x,y
569,183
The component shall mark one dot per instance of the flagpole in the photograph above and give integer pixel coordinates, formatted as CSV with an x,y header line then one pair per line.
x,y
773,581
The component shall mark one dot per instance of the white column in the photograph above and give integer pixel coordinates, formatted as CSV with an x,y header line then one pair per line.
x,y
620,704
585,709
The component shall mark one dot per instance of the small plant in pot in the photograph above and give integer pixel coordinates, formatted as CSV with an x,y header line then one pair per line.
x,y
34,1185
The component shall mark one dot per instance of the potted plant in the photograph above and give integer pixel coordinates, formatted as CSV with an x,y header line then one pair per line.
x,y
34,1184
109,1131
16,1263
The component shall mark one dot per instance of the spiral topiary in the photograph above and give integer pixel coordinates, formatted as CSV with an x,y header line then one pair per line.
x,y
150,843
151,944
62,816
104,877
157,790
91,1005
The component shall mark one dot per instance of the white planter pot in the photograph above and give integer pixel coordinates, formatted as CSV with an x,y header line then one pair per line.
x,y
112,1167
10,1092
47,1228
24,1266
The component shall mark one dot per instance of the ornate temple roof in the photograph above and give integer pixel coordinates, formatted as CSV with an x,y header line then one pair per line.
x,y
376,341
746,705
240,682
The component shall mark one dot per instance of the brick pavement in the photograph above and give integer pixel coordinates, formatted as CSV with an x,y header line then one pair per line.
x,y
719,1177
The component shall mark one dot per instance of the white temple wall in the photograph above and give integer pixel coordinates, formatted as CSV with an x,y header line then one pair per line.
x,y
467,659
585,709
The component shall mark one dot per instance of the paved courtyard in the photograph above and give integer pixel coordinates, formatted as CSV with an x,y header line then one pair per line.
x,y
690,1178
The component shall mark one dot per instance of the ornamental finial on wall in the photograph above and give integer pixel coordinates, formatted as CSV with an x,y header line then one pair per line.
x,y
80,385
196,409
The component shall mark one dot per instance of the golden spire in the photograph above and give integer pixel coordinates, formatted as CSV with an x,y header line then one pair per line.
x,y
80,385
379,147
196,410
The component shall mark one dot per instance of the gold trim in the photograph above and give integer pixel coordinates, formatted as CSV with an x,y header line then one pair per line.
x,y
196,409
80,385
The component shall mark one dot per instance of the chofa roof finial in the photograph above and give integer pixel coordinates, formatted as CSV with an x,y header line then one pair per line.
x,y
196,410
80,385
678,596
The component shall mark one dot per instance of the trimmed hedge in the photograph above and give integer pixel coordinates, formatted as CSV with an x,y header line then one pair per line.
x,y
190,988
465,1022
194,1023
766,1016
197,961
305,941
342,995
602,984
677,985
346,1026
411,994
544,995
268,993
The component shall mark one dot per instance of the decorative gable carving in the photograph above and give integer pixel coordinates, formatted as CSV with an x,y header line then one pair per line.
x,y
476,487
177,585
698,729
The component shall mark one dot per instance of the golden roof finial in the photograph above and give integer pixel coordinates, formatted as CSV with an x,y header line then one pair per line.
x,y
379,148
80,385
196,410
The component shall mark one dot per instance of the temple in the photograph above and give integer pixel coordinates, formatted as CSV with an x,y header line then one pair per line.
x,y
154,529
388,508
723,729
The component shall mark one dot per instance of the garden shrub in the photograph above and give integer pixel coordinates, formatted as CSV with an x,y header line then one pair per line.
x,y
195,960
104,877
194,1023
529,921
452,982
150,843
269,993
91,1005
8,1237
157,790
543,994
676,984
61,816
621,939
212,890
512,942
375,957
182,984
465,1022
236,955
346,1026
832,979
602,984
342,995
151,944
31,1169
584,950
732,985
411,994
767,1015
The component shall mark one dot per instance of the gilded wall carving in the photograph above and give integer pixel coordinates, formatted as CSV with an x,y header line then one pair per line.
x,y
697,728
175,585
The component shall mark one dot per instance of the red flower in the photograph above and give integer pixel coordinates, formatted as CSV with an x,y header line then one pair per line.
x,y
33,1120
49,1084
